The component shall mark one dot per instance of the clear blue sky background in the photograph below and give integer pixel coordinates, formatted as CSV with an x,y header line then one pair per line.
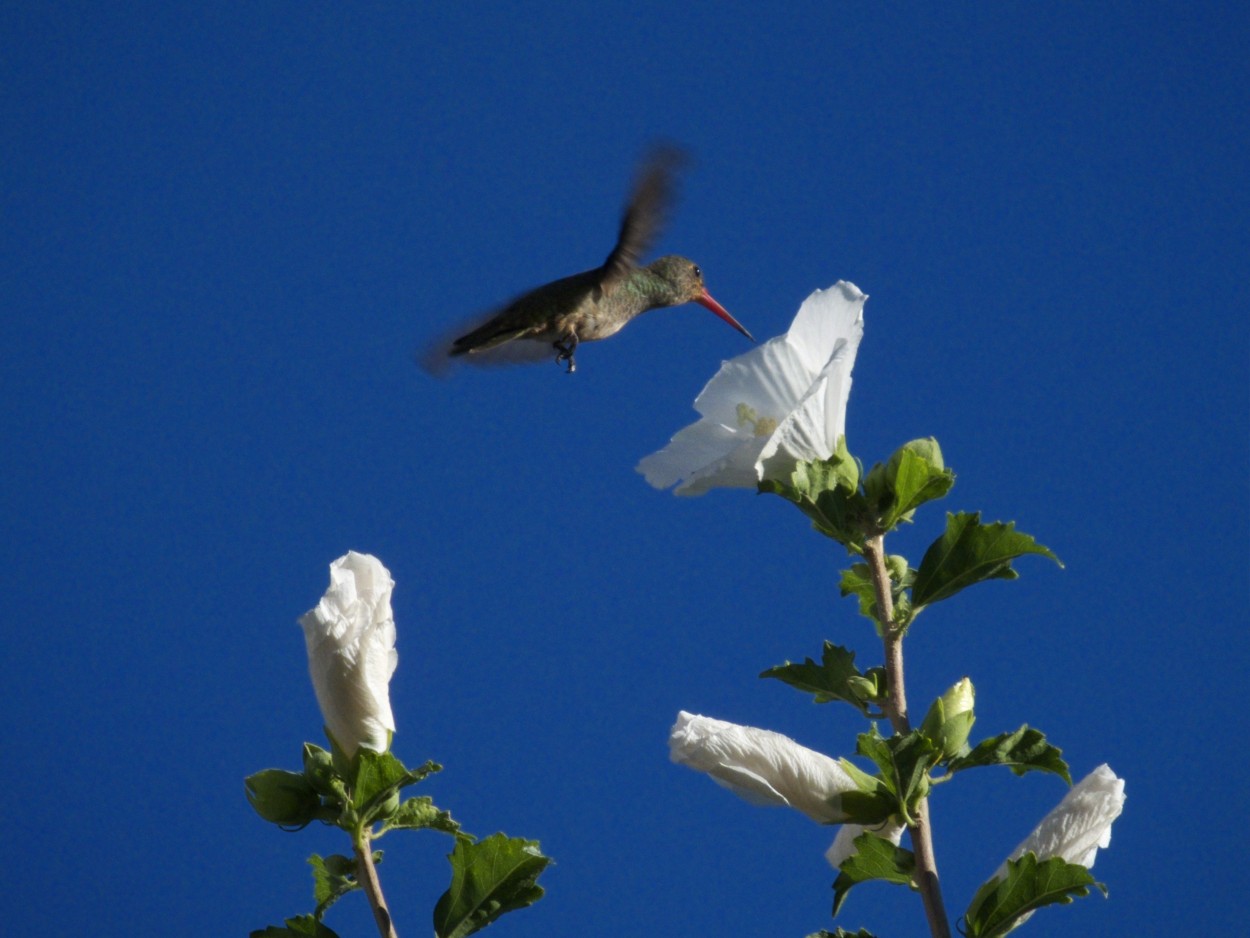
x,y
225,230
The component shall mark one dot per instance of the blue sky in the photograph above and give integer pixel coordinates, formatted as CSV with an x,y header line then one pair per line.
x,y
225,232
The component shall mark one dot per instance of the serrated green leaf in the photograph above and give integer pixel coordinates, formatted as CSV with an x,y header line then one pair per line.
x,y
488,879
301,926
904,762
420,813
869,808
1025,750
333,877
1000,905
827,491
826,681
874,858
379,778
969,552
857,582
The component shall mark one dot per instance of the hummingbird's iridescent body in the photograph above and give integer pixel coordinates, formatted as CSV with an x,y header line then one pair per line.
x,y
598,303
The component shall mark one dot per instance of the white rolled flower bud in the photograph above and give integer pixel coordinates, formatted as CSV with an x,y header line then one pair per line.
x,y
759,765
1080,824
351,653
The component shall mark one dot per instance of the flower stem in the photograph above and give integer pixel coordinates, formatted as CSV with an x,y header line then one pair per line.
x,y
895,707
367,876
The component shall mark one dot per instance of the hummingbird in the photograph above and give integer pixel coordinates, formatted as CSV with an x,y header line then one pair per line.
x,y
598,303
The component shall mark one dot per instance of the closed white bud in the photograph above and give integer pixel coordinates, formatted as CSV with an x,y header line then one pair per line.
x,y
351,653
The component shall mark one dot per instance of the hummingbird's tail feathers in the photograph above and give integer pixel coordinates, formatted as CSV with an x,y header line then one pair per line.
x,y
649,204
442,354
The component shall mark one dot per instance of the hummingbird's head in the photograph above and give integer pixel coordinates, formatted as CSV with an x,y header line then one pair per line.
x,y
685,280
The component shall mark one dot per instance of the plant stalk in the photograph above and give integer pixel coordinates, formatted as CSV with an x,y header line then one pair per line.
x,y
896,709
367,876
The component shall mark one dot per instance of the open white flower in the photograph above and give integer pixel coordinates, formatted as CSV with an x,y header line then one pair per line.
x,y
351,653
1080,824
759,765
781,403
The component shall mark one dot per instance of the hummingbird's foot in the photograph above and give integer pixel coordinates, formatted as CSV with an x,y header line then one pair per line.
x,y
566,350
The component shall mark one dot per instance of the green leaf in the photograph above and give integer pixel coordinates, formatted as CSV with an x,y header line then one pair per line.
x,y
904,762
842,933
870,803
488,878
915,474
301,926
1002,904
827,491
1025,750
829,680
282,797
970,552
857,582
420,813
333,877
379,777
874,858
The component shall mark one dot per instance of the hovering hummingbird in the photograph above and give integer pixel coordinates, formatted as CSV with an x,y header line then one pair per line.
x,y
596,304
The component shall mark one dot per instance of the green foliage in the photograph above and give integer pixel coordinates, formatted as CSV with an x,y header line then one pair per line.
x,y
333,877
857,582
827,491
904,762
874,858
835,678
969,552
301,926
842,933
1000,904
1025,750
914,475
379,778
488,878
420,813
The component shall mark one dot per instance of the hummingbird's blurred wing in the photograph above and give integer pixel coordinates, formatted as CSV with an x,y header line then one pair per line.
x,y
648,207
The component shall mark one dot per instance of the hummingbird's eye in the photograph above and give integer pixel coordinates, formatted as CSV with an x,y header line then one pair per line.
x,y
698,273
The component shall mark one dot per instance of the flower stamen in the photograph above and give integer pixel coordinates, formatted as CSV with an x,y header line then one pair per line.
x,y
760,426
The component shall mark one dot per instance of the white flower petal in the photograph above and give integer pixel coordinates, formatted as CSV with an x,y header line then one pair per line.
x,y
782,402
769,379
700,448
759,765
1080,824
843,846
350,637
825,317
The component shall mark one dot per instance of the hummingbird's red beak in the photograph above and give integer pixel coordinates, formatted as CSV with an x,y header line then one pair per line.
x,y
705,299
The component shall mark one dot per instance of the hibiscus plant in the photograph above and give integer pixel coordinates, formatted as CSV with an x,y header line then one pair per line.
x,y
774,420
356,784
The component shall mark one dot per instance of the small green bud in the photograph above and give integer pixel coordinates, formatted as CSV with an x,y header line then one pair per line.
x,y
950,719
319,770
387,808
926,448
865,688
877,487
896,566
282,797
